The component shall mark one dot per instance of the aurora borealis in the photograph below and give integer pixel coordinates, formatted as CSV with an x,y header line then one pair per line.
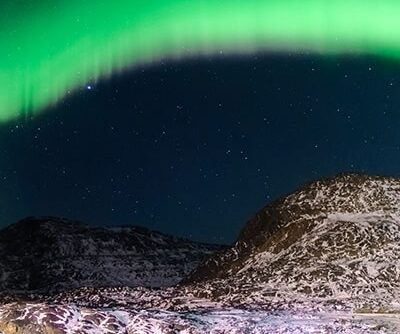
x,y
50,48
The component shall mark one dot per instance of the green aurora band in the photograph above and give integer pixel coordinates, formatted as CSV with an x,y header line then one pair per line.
x,y
49,48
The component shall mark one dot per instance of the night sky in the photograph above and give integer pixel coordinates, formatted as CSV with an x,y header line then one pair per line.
x,y
194,148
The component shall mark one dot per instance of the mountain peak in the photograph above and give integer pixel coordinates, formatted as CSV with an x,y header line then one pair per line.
x,y
282,223
346,193
50,223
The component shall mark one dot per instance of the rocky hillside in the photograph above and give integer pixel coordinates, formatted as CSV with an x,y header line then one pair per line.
x,y
337,238
325,259
50,254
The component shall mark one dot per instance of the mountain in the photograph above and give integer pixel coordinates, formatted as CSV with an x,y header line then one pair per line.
x,y
325,259
51,254
338,239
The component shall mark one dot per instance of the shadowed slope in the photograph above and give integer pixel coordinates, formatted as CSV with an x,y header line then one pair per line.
x,y
51,253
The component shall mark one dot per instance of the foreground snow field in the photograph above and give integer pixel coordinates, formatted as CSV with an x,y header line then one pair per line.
x,y
59,319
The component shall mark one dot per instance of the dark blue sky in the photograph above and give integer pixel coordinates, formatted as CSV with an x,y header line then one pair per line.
x,y
195,148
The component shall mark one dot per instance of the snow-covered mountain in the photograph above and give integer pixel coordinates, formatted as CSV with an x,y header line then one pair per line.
x,y
42,254
325,259
338,238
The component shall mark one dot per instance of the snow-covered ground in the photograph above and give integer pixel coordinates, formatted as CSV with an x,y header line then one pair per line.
x,y
73,320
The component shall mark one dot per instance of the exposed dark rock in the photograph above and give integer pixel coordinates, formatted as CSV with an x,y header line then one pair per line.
x,y
51,254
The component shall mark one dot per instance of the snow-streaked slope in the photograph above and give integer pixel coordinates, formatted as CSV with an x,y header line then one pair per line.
x,y
336,239
38,254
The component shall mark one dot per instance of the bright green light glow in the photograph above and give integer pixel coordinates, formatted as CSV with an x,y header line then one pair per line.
x,y
50,47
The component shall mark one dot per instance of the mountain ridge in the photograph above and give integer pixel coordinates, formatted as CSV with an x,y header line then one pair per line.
x,y
284,222
41,253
